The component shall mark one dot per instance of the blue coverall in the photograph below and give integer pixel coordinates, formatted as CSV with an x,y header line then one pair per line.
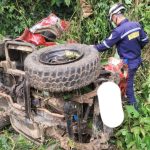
x,y
129,38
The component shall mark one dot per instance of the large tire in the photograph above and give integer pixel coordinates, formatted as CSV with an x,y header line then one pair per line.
x,y
4,120
64,77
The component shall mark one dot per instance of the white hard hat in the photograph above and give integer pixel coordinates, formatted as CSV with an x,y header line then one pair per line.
x,y
116,9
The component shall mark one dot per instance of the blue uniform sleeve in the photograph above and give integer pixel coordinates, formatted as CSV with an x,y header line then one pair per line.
x,y
143,38
108,42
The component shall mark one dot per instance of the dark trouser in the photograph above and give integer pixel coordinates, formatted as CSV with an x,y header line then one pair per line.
x,y
130,88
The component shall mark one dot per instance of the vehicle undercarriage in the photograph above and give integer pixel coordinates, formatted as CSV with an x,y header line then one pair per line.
x,y
54,105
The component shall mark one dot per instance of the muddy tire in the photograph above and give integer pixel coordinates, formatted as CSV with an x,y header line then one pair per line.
x,y
63,77
4,120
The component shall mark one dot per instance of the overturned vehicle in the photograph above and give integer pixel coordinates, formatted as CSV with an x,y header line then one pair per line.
x,y
52,93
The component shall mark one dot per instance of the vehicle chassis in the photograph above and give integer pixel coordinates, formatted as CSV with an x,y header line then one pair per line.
x,y
28,110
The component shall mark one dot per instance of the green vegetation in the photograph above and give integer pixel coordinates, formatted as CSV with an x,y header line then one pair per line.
x,y
134,133
13,141
17,15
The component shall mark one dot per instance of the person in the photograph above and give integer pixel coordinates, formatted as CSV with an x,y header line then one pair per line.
x,y
129,38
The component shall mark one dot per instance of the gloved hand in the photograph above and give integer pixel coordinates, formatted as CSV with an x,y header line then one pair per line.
x,y
91,45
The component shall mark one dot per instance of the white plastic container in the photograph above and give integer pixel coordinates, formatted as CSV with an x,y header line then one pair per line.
x,y
110,104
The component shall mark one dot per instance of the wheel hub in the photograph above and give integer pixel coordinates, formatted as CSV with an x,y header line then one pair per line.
x,y
62,56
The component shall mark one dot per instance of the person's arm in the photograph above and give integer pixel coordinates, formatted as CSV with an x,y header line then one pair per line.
x,y
143,38
108,42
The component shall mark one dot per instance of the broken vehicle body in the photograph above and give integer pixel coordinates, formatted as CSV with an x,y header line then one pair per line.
x,y
52,93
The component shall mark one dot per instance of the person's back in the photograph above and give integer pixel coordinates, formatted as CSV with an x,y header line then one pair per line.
x,y
132,40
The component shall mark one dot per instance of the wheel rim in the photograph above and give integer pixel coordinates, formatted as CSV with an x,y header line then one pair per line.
x,y
63,56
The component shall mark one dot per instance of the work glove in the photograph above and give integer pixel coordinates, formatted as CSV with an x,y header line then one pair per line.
x,y
91,45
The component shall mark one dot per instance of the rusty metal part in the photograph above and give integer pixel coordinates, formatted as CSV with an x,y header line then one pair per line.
x,y
96,144
80,126
10,66
4,89
59,135
5,64
53,29
27,97
49,119
19,92
33,127
97,125
85,98
47,115
7,99
99,130
3,103
36,127
17,45
4,119
15,72
42,112
46,123
37,141
108,132
87,113
69,110
57,104
25,125
2,49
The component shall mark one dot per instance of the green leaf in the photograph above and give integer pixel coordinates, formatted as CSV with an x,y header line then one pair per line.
x,y
128,2
53,2
138,142
132,113
56,2
67,2
145,120
130,144
129,137
146,141
136,130
147,128
124,131
119,144
143,131
67,96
